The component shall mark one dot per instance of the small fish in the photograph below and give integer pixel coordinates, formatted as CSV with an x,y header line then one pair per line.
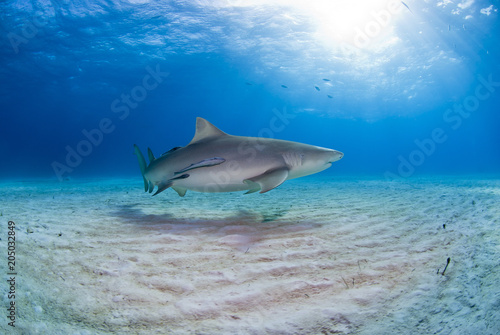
x,y
326,79
155,17
329,96
249,84
284,86
317,88
407,6
449,27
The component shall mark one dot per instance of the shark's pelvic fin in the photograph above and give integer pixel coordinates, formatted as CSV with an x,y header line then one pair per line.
x,y
142,165
205,130
181,191
268,180
204,163
151,156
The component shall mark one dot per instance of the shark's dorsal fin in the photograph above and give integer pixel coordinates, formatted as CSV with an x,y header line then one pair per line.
x,y
205,130
151,156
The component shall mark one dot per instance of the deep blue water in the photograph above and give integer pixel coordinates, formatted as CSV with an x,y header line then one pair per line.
x,y
142,71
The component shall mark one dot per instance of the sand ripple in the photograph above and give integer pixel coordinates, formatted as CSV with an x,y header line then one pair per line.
x,y
315,256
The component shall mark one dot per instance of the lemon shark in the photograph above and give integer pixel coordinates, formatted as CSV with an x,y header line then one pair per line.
x,y
218,162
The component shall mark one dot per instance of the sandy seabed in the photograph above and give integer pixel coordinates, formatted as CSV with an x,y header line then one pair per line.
x,y
318,255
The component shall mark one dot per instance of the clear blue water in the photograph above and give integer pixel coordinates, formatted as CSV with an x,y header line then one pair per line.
x,y
404,90
67,68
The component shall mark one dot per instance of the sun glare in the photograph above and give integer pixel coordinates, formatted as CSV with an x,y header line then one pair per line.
x,y
359,23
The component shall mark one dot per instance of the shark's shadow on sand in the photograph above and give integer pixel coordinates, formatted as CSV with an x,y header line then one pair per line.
x,y
133,213
239,229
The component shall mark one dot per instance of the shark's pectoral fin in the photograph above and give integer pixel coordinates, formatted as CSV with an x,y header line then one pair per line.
x,y
254,187
204,163
268,180
181,191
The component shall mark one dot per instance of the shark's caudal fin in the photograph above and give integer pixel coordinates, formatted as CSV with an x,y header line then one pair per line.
x,y
142,165
149,186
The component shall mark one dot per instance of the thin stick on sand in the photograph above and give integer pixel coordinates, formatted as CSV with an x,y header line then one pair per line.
x,y
447,263
345,282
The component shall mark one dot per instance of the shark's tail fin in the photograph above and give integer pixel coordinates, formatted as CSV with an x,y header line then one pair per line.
x,y
142,165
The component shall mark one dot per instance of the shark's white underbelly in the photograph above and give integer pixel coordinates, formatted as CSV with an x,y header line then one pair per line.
x,y
222,178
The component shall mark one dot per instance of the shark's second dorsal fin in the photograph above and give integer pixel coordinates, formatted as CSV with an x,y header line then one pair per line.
x,y
205,130
151,156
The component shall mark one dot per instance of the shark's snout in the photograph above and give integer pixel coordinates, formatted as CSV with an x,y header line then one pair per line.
x,y
336,155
